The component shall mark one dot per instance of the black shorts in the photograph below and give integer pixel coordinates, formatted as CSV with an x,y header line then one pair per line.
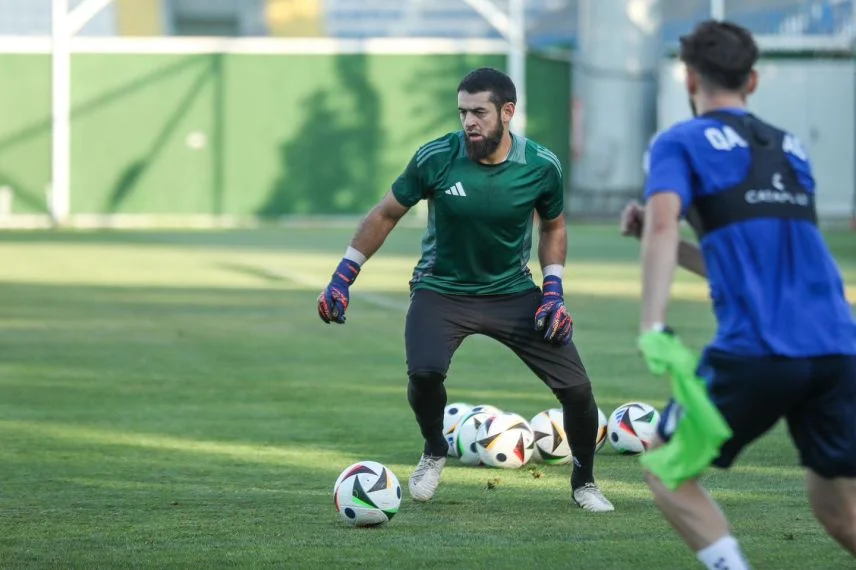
x,y
437,324
816,396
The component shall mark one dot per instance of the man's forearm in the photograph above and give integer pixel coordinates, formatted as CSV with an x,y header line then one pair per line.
x,y
690,258
372,232
659,259
553,246
689,255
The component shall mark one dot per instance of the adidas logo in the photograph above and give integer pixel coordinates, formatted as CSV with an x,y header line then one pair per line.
x,y
456,190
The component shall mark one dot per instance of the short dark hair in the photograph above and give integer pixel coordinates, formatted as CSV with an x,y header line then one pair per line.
x,y
722,53
500,86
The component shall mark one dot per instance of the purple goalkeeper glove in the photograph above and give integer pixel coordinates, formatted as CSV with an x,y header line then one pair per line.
x,y
552,316
333,300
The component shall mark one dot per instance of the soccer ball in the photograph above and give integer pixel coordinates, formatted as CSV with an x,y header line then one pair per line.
x,y
465,438
551,442
452,416
601,430
367,494
505,440
632,427
486,409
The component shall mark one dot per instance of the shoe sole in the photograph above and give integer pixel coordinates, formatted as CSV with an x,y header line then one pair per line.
x,y
597,510
592,510
421,499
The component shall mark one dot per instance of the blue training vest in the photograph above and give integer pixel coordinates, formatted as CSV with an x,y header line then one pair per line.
x,y
747,190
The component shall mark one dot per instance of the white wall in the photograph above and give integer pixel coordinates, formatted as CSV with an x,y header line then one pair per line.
x,y
813,98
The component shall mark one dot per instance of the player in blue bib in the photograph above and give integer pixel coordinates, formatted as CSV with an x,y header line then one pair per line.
x,y
785,344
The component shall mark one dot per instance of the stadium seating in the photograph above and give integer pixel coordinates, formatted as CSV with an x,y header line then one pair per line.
x,y
550,22
554,21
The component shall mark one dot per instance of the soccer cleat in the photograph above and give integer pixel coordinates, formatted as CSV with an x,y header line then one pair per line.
x,y
589,498
426,477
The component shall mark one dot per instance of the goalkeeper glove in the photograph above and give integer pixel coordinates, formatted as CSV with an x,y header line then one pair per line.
x,y
333,300
552,316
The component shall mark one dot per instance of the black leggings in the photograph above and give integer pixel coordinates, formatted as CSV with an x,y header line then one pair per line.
x,y
437,324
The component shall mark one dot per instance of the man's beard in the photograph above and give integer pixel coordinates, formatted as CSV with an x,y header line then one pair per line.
x,y
693,107
481,149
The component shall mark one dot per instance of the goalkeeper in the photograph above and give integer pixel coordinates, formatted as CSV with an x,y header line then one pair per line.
x,y
483,186
785,345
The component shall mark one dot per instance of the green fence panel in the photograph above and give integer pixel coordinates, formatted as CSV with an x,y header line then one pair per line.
x,y
263,135
25,130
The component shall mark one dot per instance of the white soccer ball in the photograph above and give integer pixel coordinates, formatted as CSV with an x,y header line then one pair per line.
x,y
486,409
465,438
551,442
367,493
452,416
505,440
602,420
632,427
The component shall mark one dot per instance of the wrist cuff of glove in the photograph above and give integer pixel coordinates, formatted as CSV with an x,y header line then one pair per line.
x,y
347,272
556,269
553,284
355,255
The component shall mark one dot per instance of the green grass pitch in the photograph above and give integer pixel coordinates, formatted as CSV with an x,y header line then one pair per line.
x,y
171,400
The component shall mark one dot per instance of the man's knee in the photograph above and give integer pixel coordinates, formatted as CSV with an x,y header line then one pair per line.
x,y
426,379
662,496
840,524
425,385
657,487
834,505
675,499
576,397
842,529
653,482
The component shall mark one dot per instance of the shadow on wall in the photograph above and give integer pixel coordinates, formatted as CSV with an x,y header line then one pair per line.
x,y
331,166
211,75
25,194
130,177
353,136
339,160
436,87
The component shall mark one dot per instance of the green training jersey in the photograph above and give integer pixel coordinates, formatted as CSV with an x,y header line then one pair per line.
x,y
480,216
